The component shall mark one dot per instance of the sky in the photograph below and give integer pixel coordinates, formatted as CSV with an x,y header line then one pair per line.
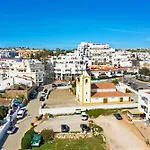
x,y
65,23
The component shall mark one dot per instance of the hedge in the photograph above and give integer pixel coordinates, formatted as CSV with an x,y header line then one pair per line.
x,y
26,140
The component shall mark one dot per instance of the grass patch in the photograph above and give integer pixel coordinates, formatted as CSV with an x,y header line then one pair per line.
x,y
94,113
94,143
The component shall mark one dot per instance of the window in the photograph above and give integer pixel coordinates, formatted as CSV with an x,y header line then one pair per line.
x,y
86,81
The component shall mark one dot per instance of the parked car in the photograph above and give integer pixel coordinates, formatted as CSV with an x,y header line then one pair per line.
x,y
84,127
43,94
84,116
46,90
65,128
78,111
36,140
21,113
129,83
11,130
42,98
54,85
118,116
33,94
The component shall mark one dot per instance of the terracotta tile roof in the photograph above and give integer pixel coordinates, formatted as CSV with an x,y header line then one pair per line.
x,y
109,94
96,68
103,85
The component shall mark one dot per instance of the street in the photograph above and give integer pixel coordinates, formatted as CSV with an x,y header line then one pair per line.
x,y
13,142
137,84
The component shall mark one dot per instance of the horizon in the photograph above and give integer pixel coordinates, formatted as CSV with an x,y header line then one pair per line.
x,y
57,24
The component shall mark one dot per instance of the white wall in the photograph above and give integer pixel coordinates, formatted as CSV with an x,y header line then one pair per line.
x,y
5,127
5,84
97,100
103,90
69,110
3,130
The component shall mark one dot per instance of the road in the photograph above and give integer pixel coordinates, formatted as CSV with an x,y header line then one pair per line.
x,y
137,84
13,142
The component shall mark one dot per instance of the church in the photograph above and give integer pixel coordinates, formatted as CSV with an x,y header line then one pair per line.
x,y
98,93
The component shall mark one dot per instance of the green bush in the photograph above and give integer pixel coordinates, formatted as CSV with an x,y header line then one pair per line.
x,y
115,81
47,135
3,112
50,116
26,140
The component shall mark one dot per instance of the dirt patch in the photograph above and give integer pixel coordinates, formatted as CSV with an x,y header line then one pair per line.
x,y
61,98
120,135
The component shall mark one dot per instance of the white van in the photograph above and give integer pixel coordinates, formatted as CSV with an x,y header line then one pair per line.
x,y
21,113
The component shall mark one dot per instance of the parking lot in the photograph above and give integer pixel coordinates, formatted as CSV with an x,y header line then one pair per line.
x,y
55,123
61,98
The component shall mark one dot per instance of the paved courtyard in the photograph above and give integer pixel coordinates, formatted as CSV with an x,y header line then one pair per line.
x,y
61,98
55,123
143,129
121,135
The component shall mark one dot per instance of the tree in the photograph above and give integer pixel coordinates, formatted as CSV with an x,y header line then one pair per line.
x,y
32,56
144,71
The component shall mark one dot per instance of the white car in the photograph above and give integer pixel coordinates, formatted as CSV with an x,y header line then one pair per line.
x,y
11,130
84,116
43,94
21,113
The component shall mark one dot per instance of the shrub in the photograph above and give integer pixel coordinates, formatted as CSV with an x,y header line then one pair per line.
x,y
47,135
26,140
50,116
3,112
147,141
115,81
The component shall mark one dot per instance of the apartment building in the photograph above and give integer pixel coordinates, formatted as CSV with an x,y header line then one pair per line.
x,y
90,49
144,103
8,53
29,68
69,66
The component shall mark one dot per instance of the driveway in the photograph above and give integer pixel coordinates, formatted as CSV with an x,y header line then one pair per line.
x,y
120,136
55,123
13,142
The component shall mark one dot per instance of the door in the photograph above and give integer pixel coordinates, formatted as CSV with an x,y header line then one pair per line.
x,y
121,99
105,100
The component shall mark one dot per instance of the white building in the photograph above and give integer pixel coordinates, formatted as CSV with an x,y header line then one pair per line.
x,y
90,49
144,103
69,65
31,68
6,53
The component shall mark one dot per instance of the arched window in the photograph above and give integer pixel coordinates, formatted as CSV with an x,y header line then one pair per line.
x,y
86,81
